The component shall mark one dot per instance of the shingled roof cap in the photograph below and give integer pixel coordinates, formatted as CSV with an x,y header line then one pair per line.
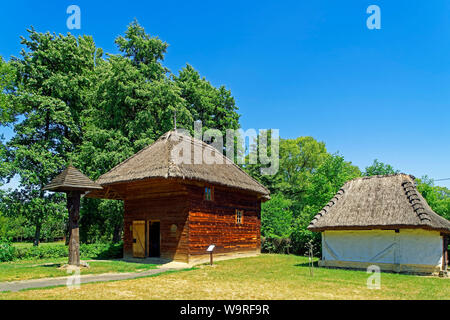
x,y
71,179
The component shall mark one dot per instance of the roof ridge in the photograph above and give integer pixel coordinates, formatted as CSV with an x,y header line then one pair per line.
x,y
172,165
330,204
73,178
380,176
64,174
227,160
416,203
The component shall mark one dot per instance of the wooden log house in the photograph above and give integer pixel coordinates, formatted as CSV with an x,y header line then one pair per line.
x,y
175,210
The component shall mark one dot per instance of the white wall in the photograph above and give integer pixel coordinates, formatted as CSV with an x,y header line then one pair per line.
x,y
409,246
420,247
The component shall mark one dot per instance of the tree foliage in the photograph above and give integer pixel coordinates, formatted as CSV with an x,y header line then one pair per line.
x,y
276,217
7,83
323,184
379,168
308,178
299,158
53,78
437,197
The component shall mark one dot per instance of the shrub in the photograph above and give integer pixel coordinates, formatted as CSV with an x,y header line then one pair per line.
x,y
301,237
275,245
6,251
102,250
53,251
276,217
49,251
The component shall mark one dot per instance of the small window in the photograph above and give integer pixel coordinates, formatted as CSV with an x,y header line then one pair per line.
x,y
209,194
239,216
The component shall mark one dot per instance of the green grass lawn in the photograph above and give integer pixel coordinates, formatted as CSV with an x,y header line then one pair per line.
x,y
262,277
49,268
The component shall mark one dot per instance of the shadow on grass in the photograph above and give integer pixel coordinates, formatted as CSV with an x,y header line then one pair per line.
x,y
101,251
51,265
306,264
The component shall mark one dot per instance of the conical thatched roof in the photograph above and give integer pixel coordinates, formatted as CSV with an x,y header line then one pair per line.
x,y
161,160
379,202
71,180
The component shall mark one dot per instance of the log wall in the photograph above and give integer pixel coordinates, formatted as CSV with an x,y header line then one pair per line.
x,y
214,222
164,202
199,222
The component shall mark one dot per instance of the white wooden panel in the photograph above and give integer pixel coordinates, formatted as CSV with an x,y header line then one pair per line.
x,y
409,246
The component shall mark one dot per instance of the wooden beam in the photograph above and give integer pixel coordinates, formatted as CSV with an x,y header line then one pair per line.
x,y
445,253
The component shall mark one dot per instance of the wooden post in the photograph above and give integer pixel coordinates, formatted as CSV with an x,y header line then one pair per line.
x,y
73,205
211,258
445,253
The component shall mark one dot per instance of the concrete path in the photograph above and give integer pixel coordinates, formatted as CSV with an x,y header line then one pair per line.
x,y
15,286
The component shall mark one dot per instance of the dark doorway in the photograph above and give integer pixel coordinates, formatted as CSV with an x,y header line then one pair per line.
x,y
154,239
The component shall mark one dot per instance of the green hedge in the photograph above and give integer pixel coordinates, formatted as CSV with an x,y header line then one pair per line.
x,y
87,251
102,250
40,252
6,251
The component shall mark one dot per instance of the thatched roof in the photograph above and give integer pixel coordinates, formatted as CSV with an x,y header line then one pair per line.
x,y
158,161
379,202
71,180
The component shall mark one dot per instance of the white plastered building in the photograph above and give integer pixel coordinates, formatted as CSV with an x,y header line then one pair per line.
x,y
382,221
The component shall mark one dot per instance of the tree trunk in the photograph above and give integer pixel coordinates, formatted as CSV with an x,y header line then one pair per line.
x,y
37,234
117,233
73,205
67,233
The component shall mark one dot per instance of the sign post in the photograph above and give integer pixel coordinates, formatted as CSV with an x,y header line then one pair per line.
x,y
211,250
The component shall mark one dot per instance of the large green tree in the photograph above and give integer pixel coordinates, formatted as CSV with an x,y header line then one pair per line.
x,y
437,197
53,78
308,178
276,217
323,184
299,158
214,107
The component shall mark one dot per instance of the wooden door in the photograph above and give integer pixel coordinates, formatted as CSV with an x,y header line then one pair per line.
x,y
139,239
154,238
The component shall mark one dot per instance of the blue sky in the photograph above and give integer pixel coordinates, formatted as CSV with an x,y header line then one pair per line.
x,y
304,67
